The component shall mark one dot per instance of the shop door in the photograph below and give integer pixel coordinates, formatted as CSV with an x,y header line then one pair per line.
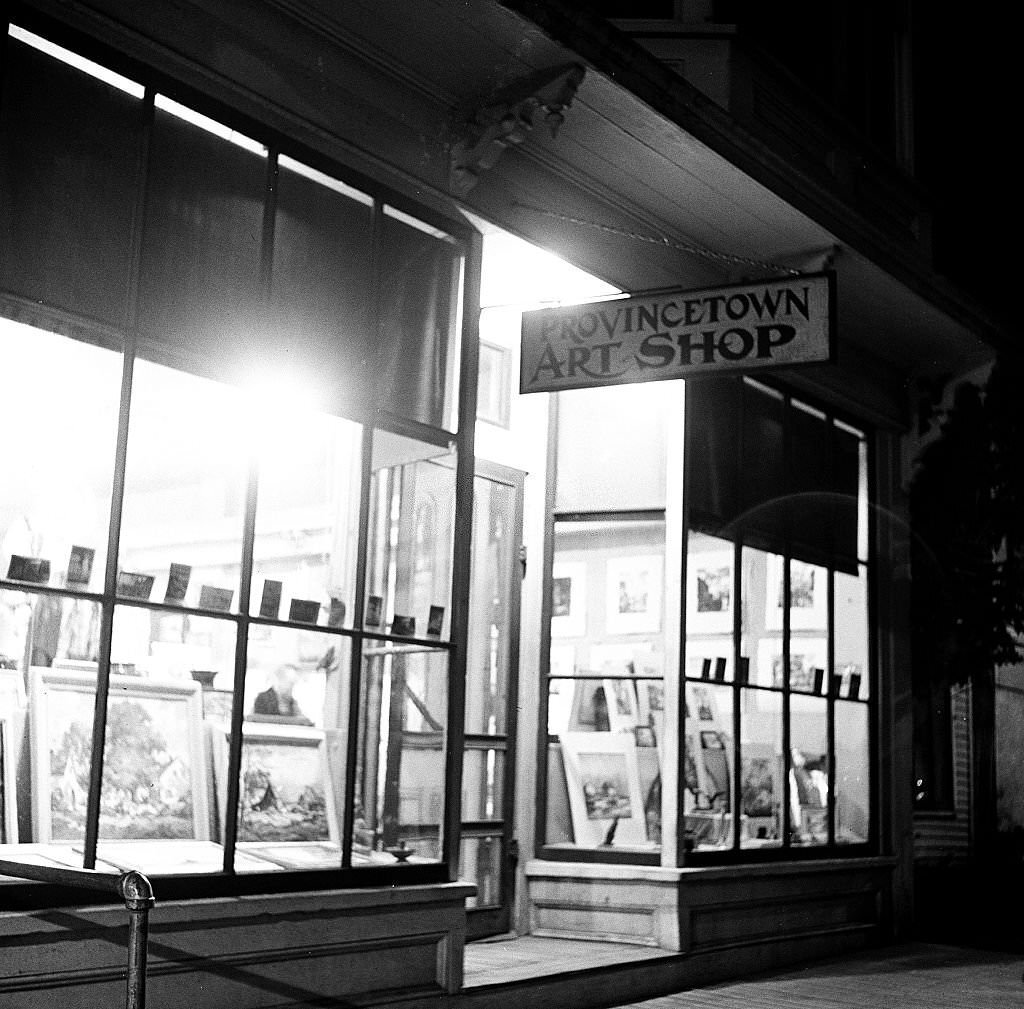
x,y
487,854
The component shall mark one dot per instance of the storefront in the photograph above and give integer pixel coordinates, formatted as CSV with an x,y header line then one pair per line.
x,y
332,640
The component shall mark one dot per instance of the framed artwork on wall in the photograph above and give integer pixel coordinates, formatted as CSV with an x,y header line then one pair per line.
x,y
154,768
709,592
808,595
634,591
605,797
568,599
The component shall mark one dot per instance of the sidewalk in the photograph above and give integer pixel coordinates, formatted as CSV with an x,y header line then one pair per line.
x,y
531,972
905,977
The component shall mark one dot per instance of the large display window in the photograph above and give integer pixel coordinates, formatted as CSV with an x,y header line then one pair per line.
x,y
232,470
770,713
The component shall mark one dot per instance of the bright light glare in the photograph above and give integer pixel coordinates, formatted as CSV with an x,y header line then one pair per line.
x,y
78,62
518,273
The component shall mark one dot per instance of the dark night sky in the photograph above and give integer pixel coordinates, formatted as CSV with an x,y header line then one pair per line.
x,y
967,150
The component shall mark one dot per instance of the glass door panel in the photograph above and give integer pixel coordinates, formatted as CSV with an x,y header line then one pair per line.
x,y
486,856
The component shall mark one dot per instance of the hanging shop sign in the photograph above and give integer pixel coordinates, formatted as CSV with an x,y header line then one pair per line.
x,y
655,337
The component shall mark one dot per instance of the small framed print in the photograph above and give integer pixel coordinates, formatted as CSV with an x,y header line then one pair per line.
x,y
435,621
304,611
403,626
213,598
177,583
270,601
709,592
28,569
80,565
374,611
568,599
634,594
808,595
336,613
134,585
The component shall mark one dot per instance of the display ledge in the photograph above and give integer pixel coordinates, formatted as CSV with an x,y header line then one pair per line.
x,y
169,913
623,871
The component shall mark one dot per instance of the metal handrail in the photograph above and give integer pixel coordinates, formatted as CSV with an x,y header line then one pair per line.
x,y
133,888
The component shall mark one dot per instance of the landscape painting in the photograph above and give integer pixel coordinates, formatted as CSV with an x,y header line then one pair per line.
x,y
283,794
153,772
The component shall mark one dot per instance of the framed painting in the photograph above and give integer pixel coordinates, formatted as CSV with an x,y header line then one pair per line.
x,y
285,794
605,797
568,599
8,788
709,592
633,588
808,595
154,766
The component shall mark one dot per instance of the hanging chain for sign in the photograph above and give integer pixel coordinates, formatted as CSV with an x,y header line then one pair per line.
x,y
694,250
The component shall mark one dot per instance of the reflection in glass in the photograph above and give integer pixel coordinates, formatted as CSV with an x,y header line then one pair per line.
x,y
852,798
306,520
808,770
707,766
761,768
399,801
57,468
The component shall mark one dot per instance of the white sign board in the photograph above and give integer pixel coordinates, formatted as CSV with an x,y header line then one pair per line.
x,y
655,337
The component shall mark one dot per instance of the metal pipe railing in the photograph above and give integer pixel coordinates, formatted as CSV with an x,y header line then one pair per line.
x,y
132,887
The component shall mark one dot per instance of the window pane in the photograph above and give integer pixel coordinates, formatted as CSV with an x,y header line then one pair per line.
x,y
710,605
480,861
185,488
761,618
483,775
853,797
808,772
294,743
400,774
494,584
852,640
57,463
611,448
170,674
199,282
761,783
304,556
415,353
321,288
604,781
69,157
708,766
412,530
808,624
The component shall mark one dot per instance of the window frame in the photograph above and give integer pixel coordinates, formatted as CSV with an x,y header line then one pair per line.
x,y
455,433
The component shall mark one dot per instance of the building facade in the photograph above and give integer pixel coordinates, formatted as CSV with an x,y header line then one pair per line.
x,y
355,651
